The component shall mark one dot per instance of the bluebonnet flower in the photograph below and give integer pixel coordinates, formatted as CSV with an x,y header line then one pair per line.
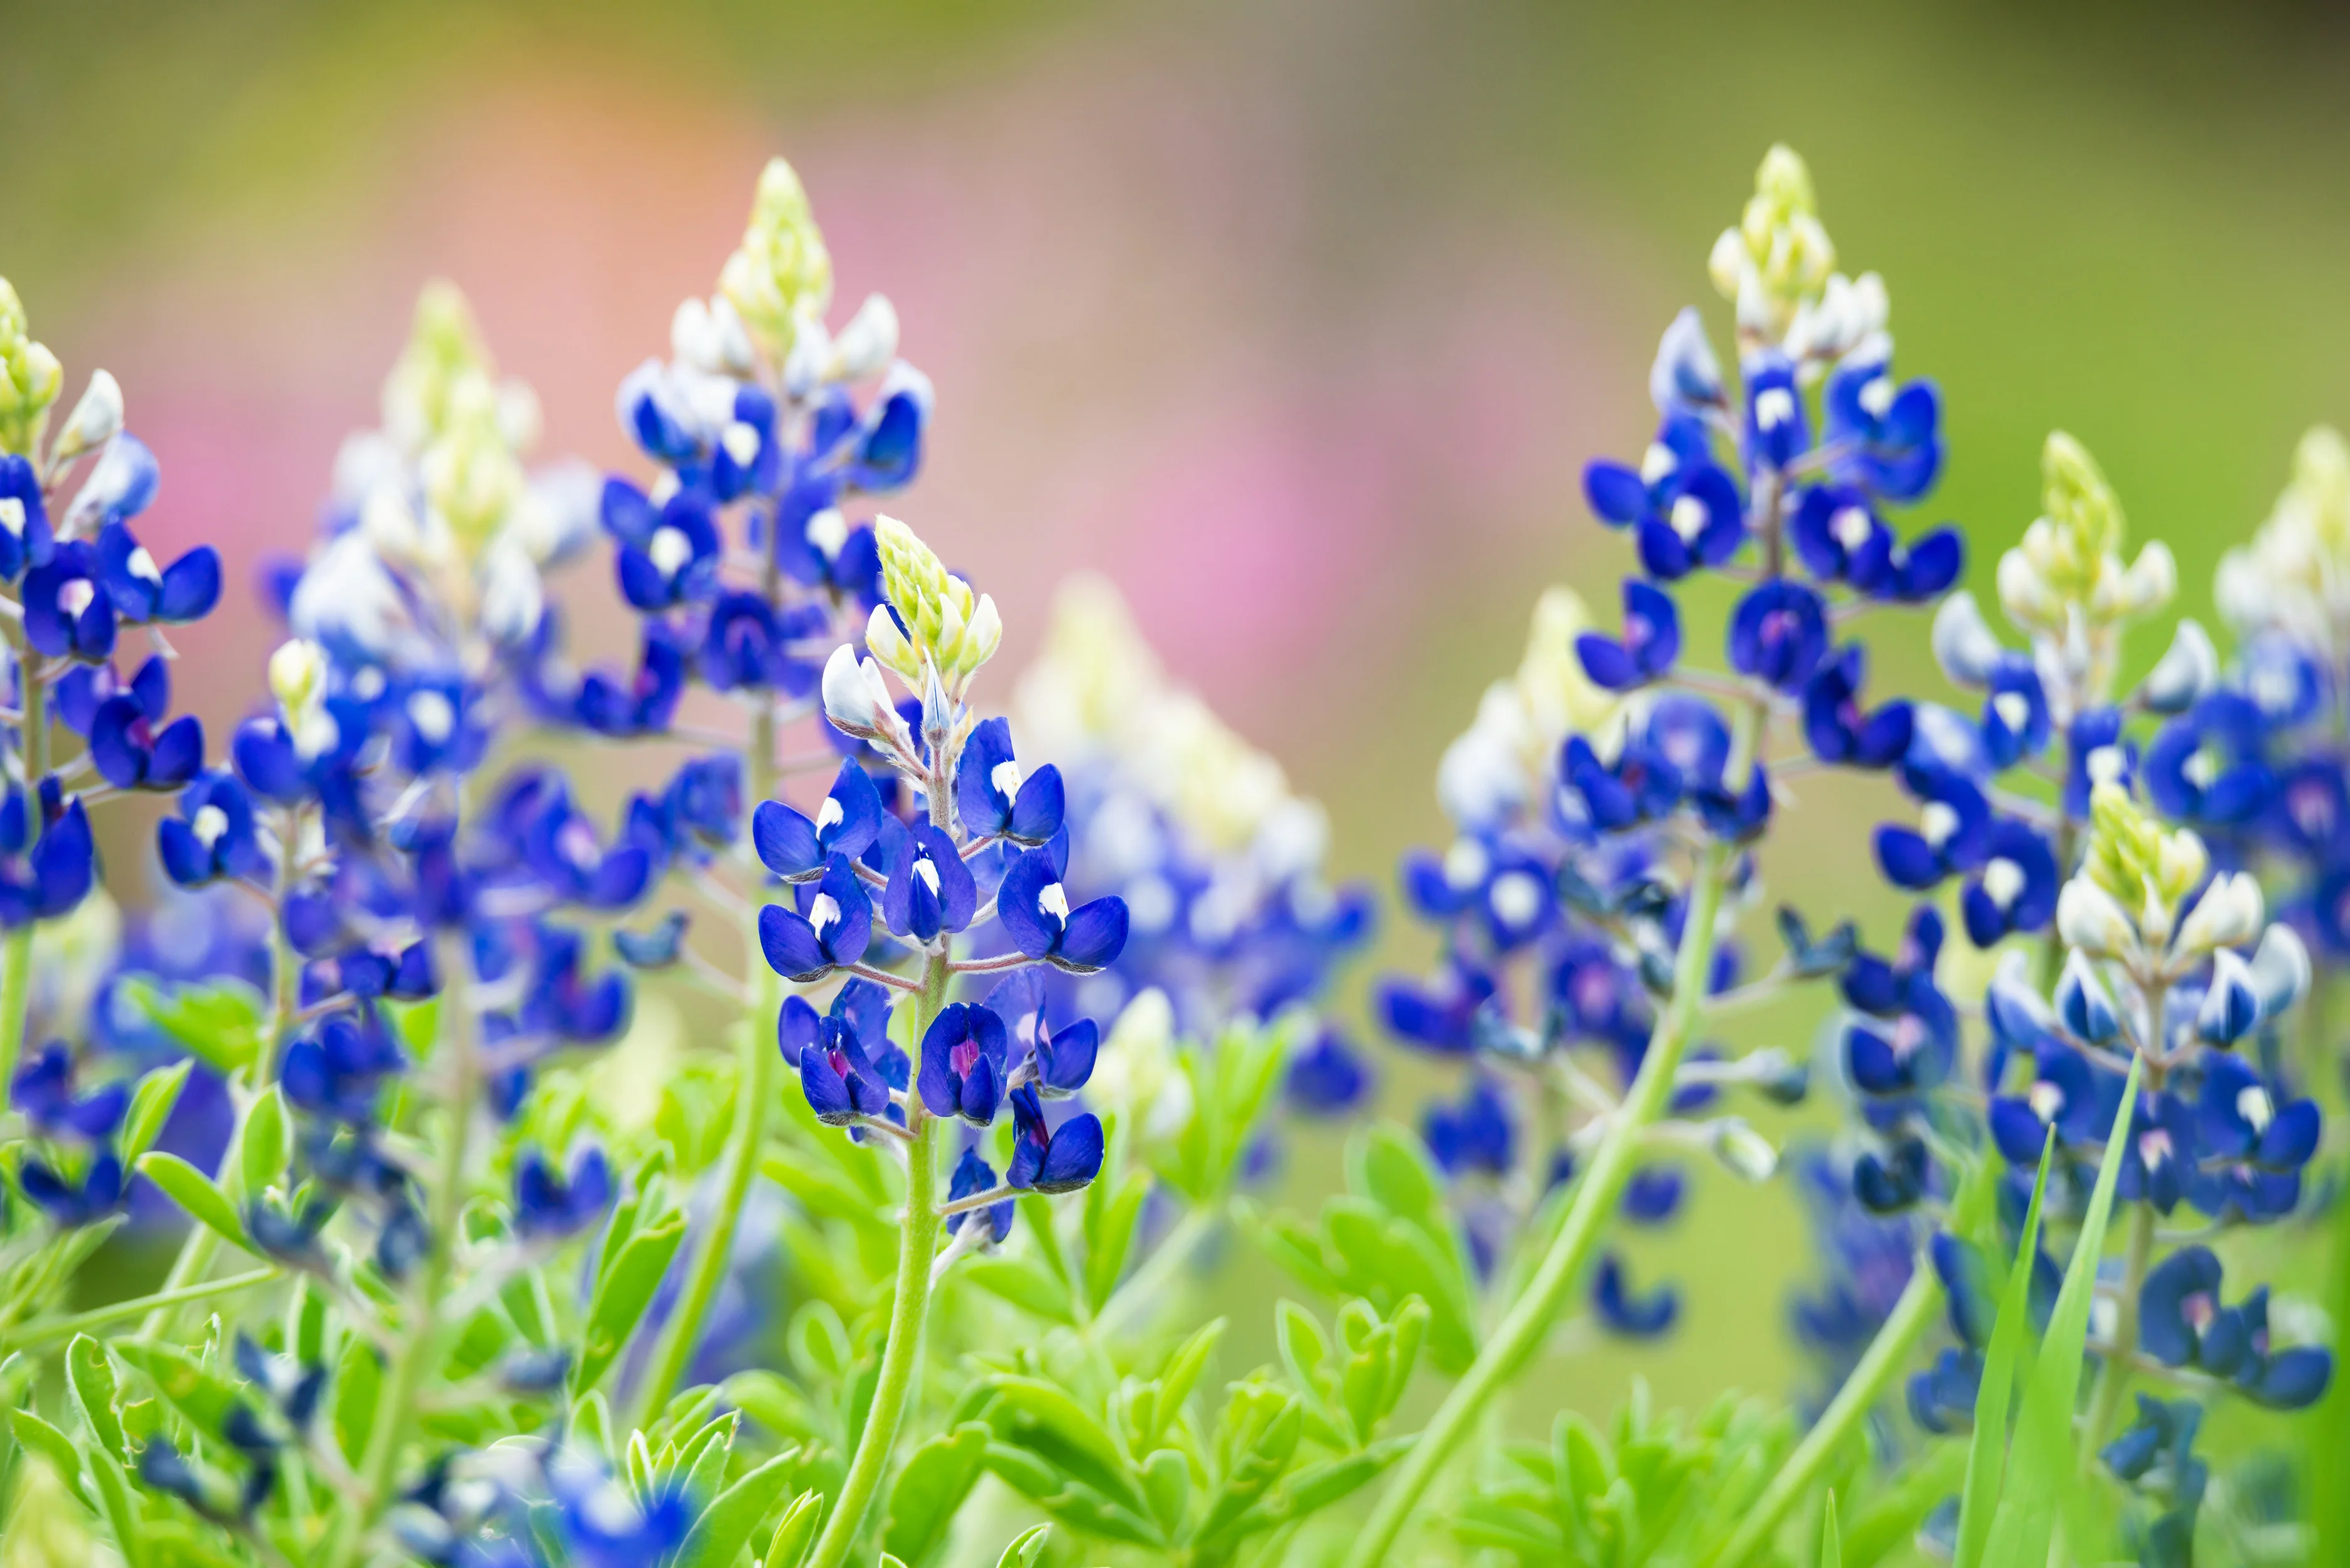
x,y
1683,509
2206,767
67,615
44,1090
1051,1159
1885,439
974,1176
338,1070
549,1205
134,749
1778,634
1327,1077
930,889
46,880
26,538
1839,537
965,1064
143,593
1476,1134
829,925
1651,641
72,1204
1624,1312
847,823
1840,729
656,948
2182,1322
1033,903
993,798
842,1082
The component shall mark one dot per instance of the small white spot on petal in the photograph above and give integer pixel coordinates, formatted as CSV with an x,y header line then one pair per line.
x,y
209,823
1690,518
433,715
2253,1104
1852,525
1054,902
1004,777
929,874
142,565
1773,407
2004,879
1659,460
1876,396
1465,865
823,911
1937,822
829,815
75,597
741,441
827,531
2014,709
12,514
1516,899
669,550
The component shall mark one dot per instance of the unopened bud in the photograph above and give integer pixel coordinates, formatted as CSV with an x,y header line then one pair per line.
x,y
1742,1150
866,345
2229,914
2189,669
1964,644
96,420
2280,971
2088,918
781,272
297,675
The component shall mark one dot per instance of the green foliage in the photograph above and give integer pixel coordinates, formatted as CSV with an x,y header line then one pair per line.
x,y
1387,1239
1655,1490
219,1021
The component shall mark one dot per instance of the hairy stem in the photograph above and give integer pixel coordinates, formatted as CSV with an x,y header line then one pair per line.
x,y
901,1356
1888,1353
1596,1200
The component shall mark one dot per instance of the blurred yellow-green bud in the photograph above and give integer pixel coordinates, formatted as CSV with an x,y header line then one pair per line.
x,y
298,675
30,377
444,403
444,351
942,626
2065,581
471,476
2145,868
2294,576
781,272
1779,257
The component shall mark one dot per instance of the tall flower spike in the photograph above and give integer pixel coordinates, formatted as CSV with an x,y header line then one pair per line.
x,y
1778,257
2065,583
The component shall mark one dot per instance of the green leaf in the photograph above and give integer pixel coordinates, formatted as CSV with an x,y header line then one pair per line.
x,y
359,1377
194,1191
822,1189
91,1376
818,1342
725,1526
119,1503
150,1107
220,1022
702,1457
1026,1548
1891,1521
200,1394
53,1446
622,1295
937,1475
1831,1545
591,1421
1167,1485
796,1531
774,1403
1391,1170
1987,1449
2042,1461
267,1141
1024,1282
1042,1419
1109,1234
1253,1473
1302,1346
1182,1372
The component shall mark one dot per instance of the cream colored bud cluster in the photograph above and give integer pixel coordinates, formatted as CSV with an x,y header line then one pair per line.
x,y
2294,576
781,274
937,624
297,678
1499,765
2124,904
1778,258
30,379
2065,584
443,405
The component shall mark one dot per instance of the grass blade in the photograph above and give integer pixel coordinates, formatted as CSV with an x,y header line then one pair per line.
x,y
2042,1462
1831,1544
1987,1453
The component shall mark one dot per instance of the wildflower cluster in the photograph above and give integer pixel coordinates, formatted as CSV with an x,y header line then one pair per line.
x,y
473,1259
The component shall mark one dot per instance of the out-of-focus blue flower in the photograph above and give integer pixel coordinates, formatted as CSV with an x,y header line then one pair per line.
x,y
44,1092
1051,1159
549,1205
1624,1312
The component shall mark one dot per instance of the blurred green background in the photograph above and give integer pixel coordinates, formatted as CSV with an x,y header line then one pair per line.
x,y
1298,319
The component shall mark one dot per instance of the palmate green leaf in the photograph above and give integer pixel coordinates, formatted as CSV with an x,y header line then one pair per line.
x,y
194,1191
1987,1451
2042,1462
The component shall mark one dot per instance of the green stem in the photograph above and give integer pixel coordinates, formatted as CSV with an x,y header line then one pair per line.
x,y
757,1056
901,1357
16,960
1148,1286
2331,1512
1886,1354
48,1331
1596,1201
2114,1377
420,1350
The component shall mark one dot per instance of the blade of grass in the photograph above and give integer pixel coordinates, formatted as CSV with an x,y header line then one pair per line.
x,y
2042,1462
1987,1453
1831,1545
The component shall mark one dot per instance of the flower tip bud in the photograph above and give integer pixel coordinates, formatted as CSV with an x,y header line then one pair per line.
x,y
2280,970
297,675
2229,914
96,420
1742,1150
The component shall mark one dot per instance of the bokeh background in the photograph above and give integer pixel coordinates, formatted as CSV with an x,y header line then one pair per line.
x,y
1297,319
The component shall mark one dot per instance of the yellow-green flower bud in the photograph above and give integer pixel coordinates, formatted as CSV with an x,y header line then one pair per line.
x,y
30,377
1779,257
472,477
2065,583
945,628
2294,576
781,272
444,351
2145,868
